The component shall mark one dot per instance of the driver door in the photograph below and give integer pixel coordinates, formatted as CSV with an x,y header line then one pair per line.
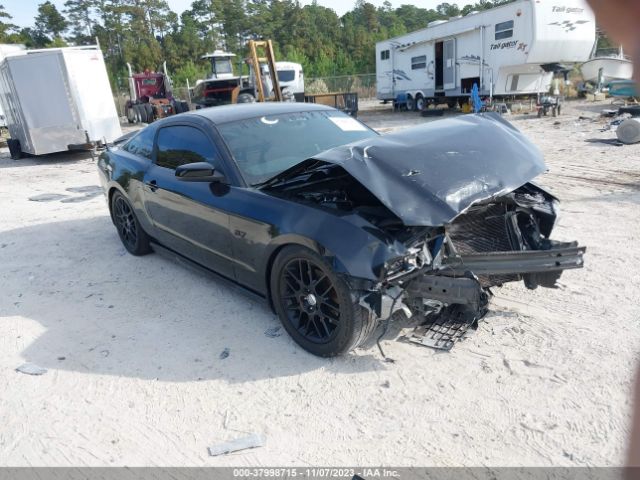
x,y
189,216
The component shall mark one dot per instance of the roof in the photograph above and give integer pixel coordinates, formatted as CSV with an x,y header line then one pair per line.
x,y
218,54
232,113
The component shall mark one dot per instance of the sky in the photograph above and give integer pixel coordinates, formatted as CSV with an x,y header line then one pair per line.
x,y
24,11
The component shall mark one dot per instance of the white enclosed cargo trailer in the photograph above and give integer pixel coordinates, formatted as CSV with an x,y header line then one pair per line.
x,y
7,49
507,51
57,99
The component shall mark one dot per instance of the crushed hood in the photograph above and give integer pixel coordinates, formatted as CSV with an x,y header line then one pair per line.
x,y
429,174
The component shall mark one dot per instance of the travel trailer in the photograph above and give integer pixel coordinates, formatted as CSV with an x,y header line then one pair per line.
x,y
507,51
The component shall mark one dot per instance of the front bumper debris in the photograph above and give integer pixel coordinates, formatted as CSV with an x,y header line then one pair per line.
x,y
451,300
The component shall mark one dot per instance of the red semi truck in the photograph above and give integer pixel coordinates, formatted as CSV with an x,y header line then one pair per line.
x,y
152,97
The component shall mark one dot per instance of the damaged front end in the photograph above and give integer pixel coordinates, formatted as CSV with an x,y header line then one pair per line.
x,y
494,242
466,219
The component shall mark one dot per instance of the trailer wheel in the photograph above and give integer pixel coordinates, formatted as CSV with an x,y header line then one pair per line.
x,y
411,104
177,106
14,148
419,103
150,114
185,106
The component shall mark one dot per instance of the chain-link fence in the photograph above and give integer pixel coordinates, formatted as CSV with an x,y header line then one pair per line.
x,y
364,85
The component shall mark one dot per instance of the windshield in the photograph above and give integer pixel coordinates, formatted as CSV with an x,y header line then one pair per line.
x,y
266,146
286,75
221,65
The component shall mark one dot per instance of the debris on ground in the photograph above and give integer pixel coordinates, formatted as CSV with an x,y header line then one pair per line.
x,y
607,141
225,353
85,189
443,332
251,441
31,369
273,332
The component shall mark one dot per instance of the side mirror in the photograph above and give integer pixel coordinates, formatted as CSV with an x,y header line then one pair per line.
x,y
199,172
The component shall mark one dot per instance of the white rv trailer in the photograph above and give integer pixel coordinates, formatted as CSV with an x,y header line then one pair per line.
x,y
57,99
507,51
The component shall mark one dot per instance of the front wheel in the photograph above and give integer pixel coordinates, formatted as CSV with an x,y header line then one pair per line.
x,y
315,305
246,98
133,237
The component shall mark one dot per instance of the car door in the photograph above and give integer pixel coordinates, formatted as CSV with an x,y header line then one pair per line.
x,y
188,216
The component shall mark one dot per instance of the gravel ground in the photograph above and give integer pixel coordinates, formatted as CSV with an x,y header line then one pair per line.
x,y
132,345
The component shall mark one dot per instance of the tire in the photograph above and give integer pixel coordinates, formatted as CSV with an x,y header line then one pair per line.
x,y
137,113
142,113
185,106
245,98
411,104
150,113
315,306
131,115
131,234
177,107
14,148
420,103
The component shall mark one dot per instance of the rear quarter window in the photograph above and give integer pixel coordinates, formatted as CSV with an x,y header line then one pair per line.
x,y
141,144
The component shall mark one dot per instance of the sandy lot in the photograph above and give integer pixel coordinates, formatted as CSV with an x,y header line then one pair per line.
x,y
132,345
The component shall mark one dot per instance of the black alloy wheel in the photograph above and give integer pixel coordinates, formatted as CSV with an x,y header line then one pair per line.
x,y
312,304
315,304
133,237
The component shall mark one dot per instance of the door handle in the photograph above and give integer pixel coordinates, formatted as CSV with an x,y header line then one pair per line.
x,y
153,185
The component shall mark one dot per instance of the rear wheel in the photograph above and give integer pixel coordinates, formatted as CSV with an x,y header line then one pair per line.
x,y
131,115
411,104
142,113
315,306
185,106
420,103
150,114
177,106
133,237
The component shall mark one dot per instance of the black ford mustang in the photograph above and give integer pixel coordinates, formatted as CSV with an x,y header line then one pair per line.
x,y
338,227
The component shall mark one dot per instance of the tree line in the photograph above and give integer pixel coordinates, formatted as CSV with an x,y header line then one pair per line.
x,y
146,33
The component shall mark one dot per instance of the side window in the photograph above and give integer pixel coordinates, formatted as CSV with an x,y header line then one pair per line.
x,y
418,63
179,145
142,143
504,30
384,55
